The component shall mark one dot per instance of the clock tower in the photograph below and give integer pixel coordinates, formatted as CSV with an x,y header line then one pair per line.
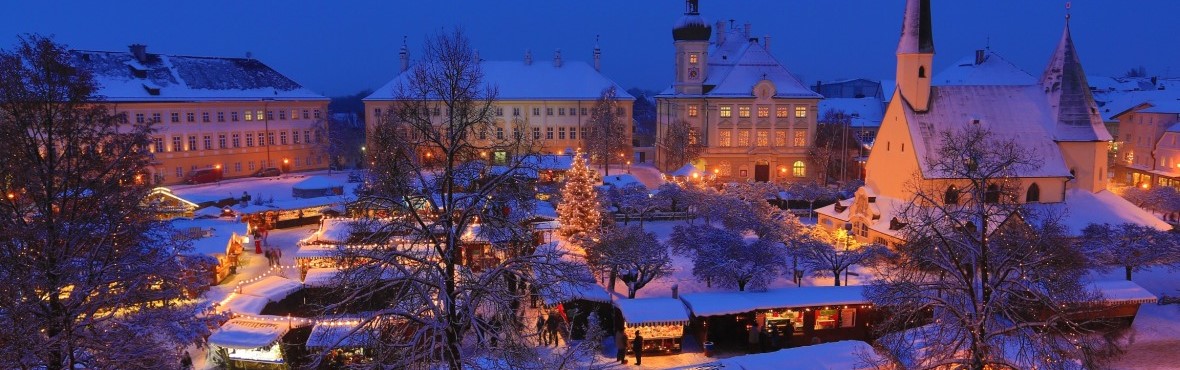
x,y
691,38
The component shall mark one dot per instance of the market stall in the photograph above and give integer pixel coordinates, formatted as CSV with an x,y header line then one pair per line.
x,y
218,241
660,321
785,317
317,186
244,342
345,341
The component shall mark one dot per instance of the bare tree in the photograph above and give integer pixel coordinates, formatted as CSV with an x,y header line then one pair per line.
x,y
682,144
725,256
340,141
982,281
1131,246
834,252
835,148
454,259
607,140
634,254
91,279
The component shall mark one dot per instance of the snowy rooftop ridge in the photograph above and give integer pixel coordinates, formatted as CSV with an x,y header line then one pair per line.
x,y
642,311
244,333
124,78
728,303
1071,103
993,70
515,80
1123,291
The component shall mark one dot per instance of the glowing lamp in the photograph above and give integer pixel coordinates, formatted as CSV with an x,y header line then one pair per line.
x,y
217,166
11,196
285,161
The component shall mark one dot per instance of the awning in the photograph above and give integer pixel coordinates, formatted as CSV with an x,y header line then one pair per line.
x,y
248,334
653,311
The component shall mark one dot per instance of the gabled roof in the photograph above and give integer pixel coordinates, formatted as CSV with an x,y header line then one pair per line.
x,y
862,112
1072,106
994,70
738,64
1009,112
515,80
186,78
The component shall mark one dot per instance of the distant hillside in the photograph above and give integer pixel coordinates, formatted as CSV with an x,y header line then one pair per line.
x,y
350,103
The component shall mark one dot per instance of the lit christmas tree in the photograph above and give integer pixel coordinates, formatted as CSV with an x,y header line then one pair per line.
x,y
578,211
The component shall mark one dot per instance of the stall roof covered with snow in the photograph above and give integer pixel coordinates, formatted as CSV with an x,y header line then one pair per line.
x,y
653,311
729,303
1122,292
340,334
245,333
210,236
273,288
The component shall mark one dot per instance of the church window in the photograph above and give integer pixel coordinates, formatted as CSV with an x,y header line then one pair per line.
x,y
693,110
726,111
951,196
799,169
763,138
1034,193
922,72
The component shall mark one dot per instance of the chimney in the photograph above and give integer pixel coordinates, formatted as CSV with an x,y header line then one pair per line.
x,y
748,28
140,52
249,55
404,54
720,32
597,55
475,55
528,57
818,85
557,58
766,42
979,57
675,291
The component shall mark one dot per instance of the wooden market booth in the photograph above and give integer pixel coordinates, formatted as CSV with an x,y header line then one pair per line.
x,y
788,317
661,322
251,343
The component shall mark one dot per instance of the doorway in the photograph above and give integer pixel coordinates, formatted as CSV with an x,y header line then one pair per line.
x,y
762,171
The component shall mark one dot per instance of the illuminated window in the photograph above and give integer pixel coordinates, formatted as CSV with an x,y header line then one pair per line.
x,y
743,138
724,168
763,138
780,112
744,111
763,112
726,111
780,138
800,112
800,138
249,116
799,169
692,58
725,138
694,137
693,110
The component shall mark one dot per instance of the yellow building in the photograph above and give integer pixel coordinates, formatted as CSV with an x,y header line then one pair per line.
x,y
233,115
1150,153
550,101
754,118
1054,118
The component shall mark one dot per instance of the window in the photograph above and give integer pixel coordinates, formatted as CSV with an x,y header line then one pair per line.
x,y
305,115
220,116
307,136
694,137
499,133
548,111
800,112
176,144
800,138
536,111
992,195
921,71
726,111
516,111
561,111
221,141
724,168
175,117
621,111
192,143
251,165
561,133
295,136
237,166
848,318
179,172
499,111
763,138
139,118
208,141
744,111
573,133
294,114
249,116
317,137
951,196
249,141
190,117
236,140
1034,193
282,138
743,138
157,145
780,112
693,110
282,115
204,116
692,58
270,114
583,113
780,138
156,118
573,111
270,138
548,133
725,138
316,113
798,169
233,116
536,133
261,139
763,112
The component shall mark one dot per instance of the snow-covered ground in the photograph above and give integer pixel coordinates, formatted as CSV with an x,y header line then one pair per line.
x,y
1154,337
278,188
644,172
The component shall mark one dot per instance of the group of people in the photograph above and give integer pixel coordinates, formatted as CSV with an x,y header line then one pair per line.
x,y
273,256
548,328
621,347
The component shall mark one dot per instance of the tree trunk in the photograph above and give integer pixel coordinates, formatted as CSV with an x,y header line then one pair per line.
x,y
836,275
741,285
614,273
1128,273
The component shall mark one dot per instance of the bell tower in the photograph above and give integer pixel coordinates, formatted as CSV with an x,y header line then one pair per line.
x,y
915,55
691,38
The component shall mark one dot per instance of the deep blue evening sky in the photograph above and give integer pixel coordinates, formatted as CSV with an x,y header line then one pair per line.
x,y
340,47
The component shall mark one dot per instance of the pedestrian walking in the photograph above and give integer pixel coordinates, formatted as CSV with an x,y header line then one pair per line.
x,y
753,340
621,347
551,328
637,347
541,339
278,256
270,261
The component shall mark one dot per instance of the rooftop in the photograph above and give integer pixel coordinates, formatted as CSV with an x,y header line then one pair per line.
x,y
540,80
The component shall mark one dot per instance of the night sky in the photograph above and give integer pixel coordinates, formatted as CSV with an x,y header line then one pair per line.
x,y
341,47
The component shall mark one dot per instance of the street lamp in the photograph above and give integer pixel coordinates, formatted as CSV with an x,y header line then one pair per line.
x,y
266,127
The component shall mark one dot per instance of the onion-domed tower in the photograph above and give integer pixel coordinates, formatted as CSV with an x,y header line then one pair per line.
x,y
691,37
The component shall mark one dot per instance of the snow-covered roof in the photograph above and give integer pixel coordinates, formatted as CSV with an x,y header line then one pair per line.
x,y
243,333
1019,113
186,78
339,334
848,354
728,303
1123,291
738,64
273,288
862,112
317,182
335,230
994,70
246,304
1082,208
208,212
211,235
549,162
541,80
685,171
1072,107
621,181
659,311
278,188
1171,106
1119,102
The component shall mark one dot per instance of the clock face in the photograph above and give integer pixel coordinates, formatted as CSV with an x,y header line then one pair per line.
x,y
693,73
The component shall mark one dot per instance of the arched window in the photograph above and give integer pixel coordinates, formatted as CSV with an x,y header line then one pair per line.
x,y
921,71
1033,194
951,196
992,195
799,169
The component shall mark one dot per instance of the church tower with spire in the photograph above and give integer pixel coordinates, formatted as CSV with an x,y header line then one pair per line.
x,y
915,55
691,37
1077,125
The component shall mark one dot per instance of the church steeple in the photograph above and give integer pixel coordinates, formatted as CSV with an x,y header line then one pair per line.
x,y
691,35
915,55
1070,101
